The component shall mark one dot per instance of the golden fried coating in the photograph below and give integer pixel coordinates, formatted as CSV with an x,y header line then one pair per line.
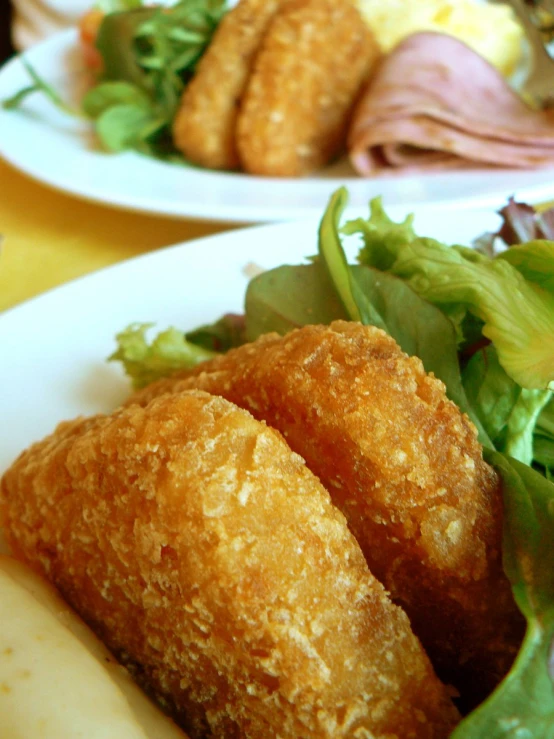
x,y
312,62
200,546
204,128
404,466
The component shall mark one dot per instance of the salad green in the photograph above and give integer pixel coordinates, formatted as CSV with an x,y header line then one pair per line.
x,y
483,325
517,314
149,54
169,352
523,704
481,321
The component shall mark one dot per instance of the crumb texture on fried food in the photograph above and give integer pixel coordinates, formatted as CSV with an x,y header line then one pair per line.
x,y
405,467
205,125
200,546
313,59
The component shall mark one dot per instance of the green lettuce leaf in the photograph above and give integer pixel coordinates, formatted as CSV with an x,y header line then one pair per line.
x,y
518,438
382,236
517,315
144,361
490,390
534,260
38,85
543,441
543,455
103,96
523,704
545,423
126,126
507,411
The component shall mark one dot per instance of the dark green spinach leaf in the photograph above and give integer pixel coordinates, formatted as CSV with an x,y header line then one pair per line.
x,y
289,297
220,336
383,300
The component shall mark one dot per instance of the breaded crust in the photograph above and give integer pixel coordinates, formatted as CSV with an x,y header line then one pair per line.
x,y
204,128
202,548
405,467
311,64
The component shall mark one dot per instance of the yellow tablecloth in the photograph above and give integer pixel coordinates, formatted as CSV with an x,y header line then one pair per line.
x,y
50,238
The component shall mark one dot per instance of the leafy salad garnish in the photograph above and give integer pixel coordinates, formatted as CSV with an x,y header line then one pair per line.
x,y
523,703
484,325
37,85
520,223
167,353
148,54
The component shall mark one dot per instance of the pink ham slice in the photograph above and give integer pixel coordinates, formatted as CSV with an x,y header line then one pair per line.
x,y
435,104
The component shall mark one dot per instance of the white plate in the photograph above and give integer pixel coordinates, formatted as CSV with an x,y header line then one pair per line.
x,y
54,347
61,152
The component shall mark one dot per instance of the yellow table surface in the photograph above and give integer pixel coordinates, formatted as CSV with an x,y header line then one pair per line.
x,y
50,238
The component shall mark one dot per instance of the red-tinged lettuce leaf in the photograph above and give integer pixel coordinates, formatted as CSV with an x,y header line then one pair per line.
x,y
520,223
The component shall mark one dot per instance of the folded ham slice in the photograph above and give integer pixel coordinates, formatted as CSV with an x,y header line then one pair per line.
x,y
435,104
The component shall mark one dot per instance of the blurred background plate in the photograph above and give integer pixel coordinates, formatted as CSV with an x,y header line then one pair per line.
x,y
61,151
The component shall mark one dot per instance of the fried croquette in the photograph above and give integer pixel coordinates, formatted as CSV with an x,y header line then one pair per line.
x,y
312,62
204,127
199,545
404,466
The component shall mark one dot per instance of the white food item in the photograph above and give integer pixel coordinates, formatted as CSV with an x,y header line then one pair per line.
x,y
57,680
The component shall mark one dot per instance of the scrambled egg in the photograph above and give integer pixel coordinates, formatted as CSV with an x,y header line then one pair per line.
x,y
490,29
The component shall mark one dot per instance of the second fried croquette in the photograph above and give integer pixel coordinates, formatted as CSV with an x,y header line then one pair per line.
x,y
205,125
405,467
313,59
201,547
